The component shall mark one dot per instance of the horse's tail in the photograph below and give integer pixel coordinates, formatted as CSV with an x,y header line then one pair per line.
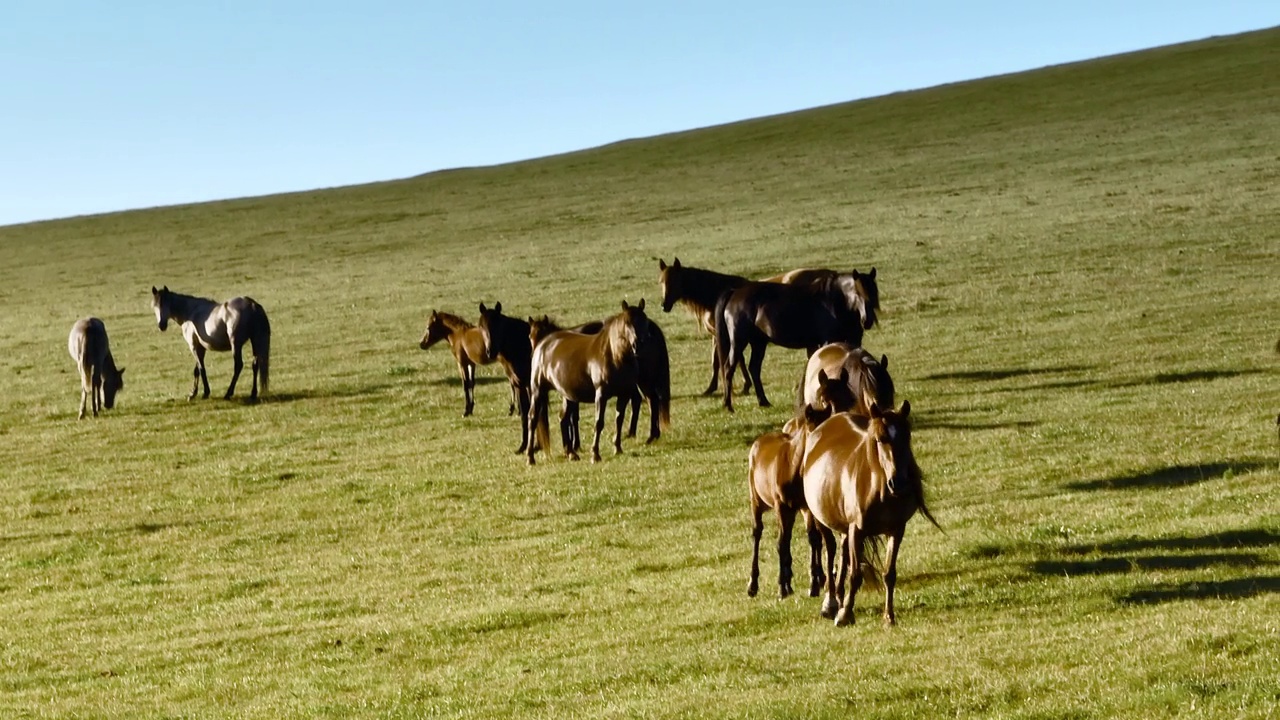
x,y
661,376
540,409
722,333
262,351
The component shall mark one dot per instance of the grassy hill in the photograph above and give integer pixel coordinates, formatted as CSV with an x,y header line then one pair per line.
x,y
1078,269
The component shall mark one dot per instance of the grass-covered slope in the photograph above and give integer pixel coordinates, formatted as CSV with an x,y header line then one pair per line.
x,y
1079,274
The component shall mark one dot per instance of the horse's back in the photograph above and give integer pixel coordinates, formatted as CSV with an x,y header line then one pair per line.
x,y
867,376
561,358
87,343
831,468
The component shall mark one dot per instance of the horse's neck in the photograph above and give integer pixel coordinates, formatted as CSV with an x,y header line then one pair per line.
x,y
619,350
708,286
187,307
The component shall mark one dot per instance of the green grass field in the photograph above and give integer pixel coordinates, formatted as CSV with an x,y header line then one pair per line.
x,y
1079,272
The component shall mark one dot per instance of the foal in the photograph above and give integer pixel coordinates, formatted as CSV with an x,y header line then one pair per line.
x,y
468,346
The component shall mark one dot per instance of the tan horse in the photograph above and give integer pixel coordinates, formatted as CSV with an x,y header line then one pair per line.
x,y
100,379
467,342
588,368
211,325
773,477
861,480
869,379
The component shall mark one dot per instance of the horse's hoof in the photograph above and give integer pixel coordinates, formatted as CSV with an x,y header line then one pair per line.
x,y
710,391
652,439
889,621
829,608
844,617
595,457
765,403
753,588
784,592
815,589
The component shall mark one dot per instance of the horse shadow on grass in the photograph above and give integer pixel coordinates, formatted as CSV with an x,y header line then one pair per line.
x,y
1177,554
992,375
1167,477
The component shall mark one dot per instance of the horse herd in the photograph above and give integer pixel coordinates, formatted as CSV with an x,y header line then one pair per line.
x,y
843,462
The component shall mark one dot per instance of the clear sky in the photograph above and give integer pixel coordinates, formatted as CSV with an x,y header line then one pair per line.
x,y
117,104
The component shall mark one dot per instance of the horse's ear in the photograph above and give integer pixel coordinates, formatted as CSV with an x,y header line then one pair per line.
x,y
641,305
481,308
625,305
662,264
875,410
530,320
844,374
164,289
497,307
822,376
872,274
154,291
884,362
120,371
675,262
906,409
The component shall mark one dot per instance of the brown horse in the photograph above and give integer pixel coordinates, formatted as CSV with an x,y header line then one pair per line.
x,y
211,325
773,477
869,379
793,316
861,479
588,368
100,379
654,382
467,343
699,290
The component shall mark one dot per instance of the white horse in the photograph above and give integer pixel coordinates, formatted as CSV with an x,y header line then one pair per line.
x,y
99,376
211,325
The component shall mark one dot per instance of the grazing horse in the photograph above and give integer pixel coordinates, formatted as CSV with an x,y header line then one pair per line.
x,y
869,379
588,368
100,379
793,316
467,343
861,479
773,477
699,290
506,340
211,325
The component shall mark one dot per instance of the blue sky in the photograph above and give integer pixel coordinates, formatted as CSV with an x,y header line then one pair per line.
x,y
122,104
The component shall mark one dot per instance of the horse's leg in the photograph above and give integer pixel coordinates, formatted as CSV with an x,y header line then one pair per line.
x,y
635,402
844,566
522,396
786,521
515,397
854,539
536,399
757,531
830,602
253,369
97,402
467,370
715,368
623,401
569,428
891,575
655,428
816,576
602,406
85,387
200,376
733,358
237,352
754,368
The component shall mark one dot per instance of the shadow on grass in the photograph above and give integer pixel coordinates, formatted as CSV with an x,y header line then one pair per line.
x,y
1226,540
1237,589
1174,476
1110,565
455,381
1006,373
1188,376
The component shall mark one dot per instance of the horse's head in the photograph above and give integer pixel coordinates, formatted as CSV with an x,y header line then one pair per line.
x,y
891,431
884,390
436,331
810,417
539,328
669,279
112,383
862,295
492,328
160,304
835,394
633,327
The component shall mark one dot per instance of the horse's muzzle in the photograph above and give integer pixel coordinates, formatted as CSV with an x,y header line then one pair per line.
x,y
163,325
666,306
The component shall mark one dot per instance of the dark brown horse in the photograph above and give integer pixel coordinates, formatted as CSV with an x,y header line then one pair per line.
x,y
861,479
506,341
869,379
654,382
773,477
793,316
588,368
861,289
467,343
699,290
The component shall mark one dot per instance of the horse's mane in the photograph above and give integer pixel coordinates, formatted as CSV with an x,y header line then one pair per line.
x,y
453,322
702,288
